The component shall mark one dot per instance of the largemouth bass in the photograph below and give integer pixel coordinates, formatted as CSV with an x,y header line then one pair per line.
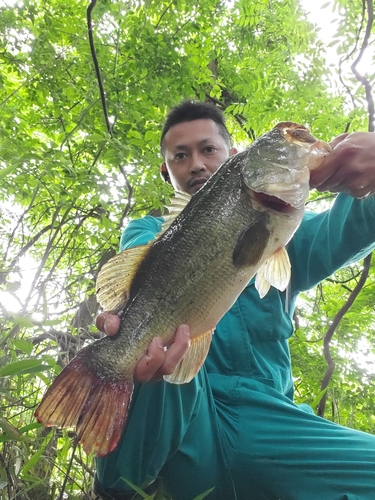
x,y
235,226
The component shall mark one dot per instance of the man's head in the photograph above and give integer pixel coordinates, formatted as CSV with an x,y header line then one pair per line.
x,y
189,111
194,142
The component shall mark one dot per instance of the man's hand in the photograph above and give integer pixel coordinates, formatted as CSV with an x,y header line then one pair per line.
x,y
158,360
349,168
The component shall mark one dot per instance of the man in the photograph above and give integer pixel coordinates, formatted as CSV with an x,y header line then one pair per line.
x,y
234,427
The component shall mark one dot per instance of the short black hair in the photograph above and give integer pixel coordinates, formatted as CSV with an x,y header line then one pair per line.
x,y
190,110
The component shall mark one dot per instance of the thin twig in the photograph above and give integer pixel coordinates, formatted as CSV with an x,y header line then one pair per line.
x,y
97,69
130,194
84,466
163,14
362,79
349,55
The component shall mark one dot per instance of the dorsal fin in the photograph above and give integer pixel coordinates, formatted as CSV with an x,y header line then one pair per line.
x,y
178,203
115,277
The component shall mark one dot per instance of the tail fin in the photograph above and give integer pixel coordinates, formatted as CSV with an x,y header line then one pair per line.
x,y
97,407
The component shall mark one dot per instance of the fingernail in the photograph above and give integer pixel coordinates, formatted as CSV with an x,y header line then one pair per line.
x,y
108,323
185,330
159,343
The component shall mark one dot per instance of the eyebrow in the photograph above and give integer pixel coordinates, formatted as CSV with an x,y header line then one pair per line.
x,y
184,147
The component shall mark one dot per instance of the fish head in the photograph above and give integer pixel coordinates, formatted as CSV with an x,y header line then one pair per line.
x,y
276,167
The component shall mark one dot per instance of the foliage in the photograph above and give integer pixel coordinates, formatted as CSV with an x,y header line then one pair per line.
x,y
72,173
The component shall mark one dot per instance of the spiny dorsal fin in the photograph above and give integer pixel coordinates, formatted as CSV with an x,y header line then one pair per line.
x,y
191,363
275,271
178,203
115,277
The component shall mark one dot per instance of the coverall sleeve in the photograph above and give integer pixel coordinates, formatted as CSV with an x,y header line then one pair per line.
x,y
330,240
140,232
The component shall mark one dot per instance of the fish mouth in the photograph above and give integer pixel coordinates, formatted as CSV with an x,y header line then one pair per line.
x,y
269,202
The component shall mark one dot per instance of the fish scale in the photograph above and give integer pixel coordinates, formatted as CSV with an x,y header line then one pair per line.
x,y
235,226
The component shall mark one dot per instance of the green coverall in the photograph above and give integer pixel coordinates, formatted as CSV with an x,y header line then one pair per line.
x,y
235,427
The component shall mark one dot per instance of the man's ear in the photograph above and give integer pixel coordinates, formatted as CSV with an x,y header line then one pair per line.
x,y
233,151
164,173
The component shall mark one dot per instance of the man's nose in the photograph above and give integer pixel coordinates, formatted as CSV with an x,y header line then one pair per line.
x,y
197,164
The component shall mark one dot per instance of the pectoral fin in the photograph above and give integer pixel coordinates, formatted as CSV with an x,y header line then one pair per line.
x,y
191,363
251,244
115,277
275,271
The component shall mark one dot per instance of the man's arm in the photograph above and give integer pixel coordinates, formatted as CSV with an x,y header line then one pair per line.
x,y
349,168
344,234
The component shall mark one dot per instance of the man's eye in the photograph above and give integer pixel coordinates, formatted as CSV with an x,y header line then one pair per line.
x,y
210,149
179,156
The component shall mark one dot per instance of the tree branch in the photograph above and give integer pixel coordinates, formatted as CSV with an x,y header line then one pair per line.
x,y
163,14
90,8
331,330
367,261
130,194
348,56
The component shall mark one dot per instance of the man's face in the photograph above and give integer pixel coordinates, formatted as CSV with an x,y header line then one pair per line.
x,y
193,151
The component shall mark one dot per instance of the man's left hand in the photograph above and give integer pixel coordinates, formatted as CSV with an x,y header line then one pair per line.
x,y
349,168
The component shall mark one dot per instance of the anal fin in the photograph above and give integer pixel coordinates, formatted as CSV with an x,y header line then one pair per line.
x,y
193,360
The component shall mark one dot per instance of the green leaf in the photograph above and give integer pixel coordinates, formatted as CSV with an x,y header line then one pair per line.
x,y
23,367
138,490
23,321
6,171
203,495
23,345
30,427
34,459
318,398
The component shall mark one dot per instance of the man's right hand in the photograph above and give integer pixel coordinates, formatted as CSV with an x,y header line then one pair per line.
x,y
161,358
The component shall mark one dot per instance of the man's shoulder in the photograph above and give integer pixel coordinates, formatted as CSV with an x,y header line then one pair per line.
x,y
148,221
140,231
